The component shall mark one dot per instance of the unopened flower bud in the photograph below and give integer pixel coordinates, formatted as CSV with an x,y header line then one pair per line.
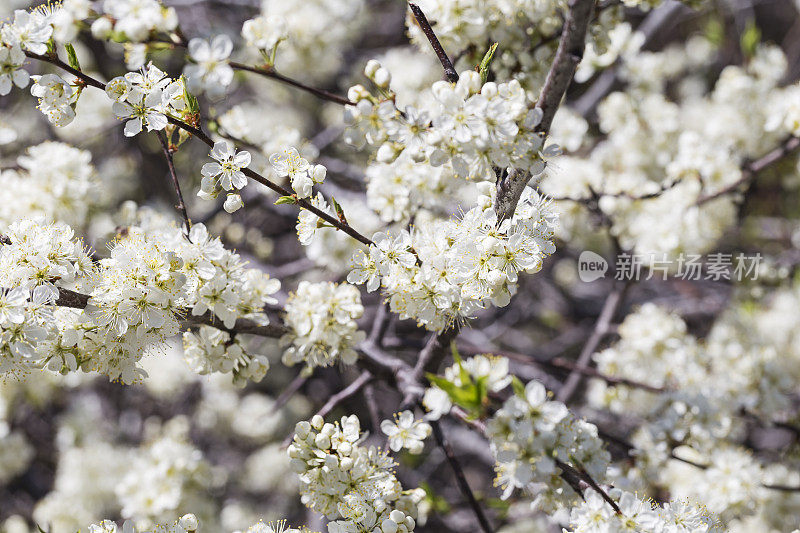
x,y
382,78
188,522
371,68
101,28
233,203
356,93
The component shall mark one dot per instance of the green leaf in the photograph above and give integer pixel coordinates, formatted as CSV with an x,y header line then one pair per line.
x,y
338,209
482,390
461,396
483,68
72,57
518,386
438,503
750,39
454,351
191,100
715,32
286,200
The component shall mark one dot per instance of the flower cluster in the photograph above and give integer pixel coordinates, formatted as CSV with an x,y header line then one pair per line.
x,y
54,181
39,255
173,469
403,187
315,32
443,271
186,524
264,33
704,387
300,172
212,350
471,127
145,99
56,98
29,31
153,276
134,20
680,516
530,435
226,173
729,487
353,486
666,152
321,318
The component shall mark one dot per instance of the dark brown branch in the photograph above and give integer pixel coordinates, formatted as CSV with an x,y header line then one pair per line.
x,y
461,479
181,206
429,360
572,473
242,326
54,60
68,298
449,71
270,72
267,71
372,406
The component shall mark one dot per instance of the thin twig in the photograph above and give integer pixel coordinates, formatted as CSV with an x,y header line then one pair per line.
x,y
162,137
621,194
372,406
583,475
350,390
197,132
449,70
561,364
750,171
288,392
270,72
610,306
656,20
461,479
53,59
